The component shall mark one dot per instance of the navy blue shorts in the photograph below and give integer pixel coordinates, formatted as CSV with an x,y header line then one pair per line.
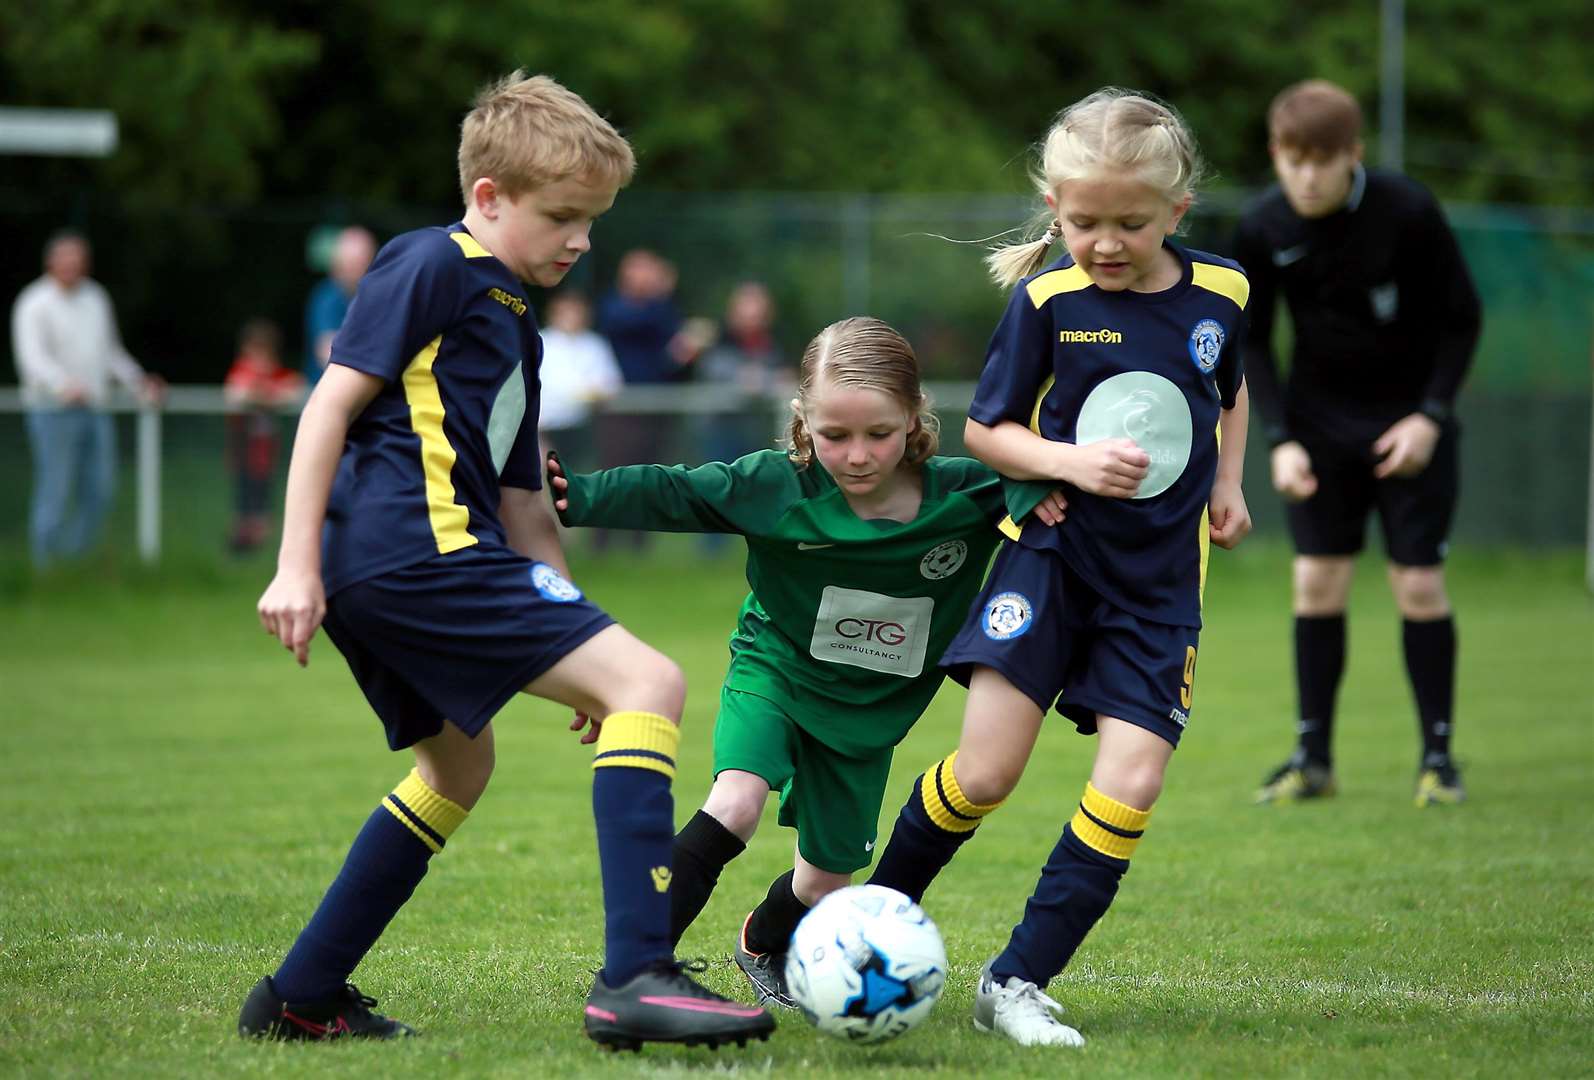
x,y
1051,635
455,637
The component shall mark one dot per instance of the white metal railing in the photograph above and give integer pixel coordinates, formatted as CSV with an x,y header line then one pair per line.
x,y
692,399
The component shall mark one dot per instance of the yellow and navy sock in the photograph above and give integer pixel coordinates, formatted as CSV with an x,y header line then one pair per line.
x,y
1076,887
385,864
635,814
702,849
932,825
775,919
1430,648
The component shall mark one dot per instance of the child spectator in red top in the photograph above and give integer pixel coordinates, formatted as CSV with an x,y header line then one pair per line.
x,y
257,385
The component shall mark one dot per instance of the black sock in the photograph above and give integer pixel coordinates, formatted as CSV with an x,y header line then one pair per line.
x,y
774,920
702,848
1319,664
1430,648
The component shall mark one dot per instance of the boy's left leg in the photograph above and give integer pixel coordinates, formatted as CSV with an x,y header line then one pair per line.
x,y
309,996
641,994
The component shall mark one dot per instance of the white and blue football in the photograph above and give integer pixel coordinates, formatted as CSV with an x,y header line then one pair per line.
x,y
866,964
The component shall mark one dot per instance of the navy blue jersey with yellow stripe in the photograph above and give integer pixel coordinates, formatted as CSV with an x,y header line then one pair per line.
x,y
450,331
1078,364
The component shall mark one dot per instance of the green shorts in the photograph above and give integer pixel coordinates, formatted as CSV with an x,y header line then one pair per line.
x,y
833,801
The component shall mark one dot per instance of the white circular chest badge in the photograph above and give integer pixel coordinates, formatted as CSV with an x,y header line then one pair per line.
x,y
1151,410
1007,616
944,560
552,585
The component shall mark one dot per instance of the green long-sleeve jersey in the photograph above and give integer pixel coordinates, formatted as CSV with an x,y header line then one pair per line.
x,y
847,618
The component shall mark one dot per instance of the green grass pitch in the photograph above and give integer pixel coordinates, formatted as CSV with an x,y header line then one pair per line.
x,y
177,794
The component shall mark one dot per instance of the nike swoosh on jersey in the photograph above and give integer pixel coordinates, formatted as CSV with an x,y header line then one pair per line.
x,y
801,546
1286,256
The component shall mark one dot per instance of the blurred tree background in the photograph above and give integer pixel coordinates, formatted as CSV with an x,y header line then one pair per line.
x,y
243,124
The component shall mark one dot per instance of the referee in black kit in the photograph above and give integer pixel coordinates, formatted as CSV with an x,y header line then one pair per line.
x,y
1386,320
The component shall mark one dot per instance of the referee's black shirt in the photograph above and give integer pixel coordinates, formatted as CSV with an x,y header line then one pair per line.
x,y
1386,317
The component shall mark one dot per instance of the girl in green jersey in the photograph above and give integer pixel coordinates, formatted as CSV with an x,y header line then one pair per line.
x,y
865,551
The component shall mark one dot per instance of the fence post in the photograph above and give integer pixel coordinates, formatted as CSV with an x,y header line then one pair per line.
x,y
149,484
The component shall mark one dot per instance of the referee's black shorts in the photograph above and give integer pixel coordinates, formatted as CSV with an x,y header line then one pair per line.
x,y
1415,512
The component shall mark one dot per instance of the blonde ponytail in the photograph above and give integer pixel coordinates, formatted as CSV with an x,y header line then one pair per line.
x,y
1011,263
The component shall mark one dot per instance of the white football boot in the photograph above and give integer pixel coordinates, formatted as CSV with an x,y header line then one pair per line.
x,y
1021,1011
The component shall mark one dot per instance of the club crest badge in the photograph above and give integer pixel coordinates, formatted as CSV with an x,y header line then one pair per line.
x,y
943,560
1206,344
1007,616
552,585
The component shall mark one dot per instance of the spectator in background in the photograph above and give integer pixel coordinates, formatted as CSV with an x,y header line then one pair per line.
x,y
256,387
329,300
578,371
748,364
642,323
68,349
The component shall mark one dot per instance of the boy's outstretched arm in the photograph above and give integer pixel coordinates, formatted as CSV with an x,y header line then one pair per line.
x,y
1229,520
1111,467
295,602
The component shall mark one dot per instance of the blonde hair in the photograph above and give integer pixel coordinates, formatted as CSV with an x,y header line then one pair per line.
x,y
528,131
863,354
1111,129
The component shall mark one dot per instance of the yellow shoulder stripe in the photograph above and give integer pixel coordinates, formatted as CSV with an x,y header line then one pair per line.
x,y
469,245
1223,281
1043,288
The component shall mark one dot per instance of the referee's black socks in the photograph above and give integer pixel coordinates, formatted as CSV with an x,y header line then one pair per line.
x,y
1319,665
1430,647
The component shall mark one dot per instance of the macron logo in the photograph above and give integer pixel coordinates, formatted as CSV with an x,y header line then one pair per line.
x,y
661,878
1090,337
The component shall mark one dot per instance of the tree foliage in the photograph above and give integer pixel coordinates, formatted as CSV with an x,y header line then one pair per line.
x,y
361,100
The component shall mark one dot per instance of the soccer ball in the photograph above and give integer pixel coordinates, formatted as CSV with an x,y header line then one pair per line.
x,y
866,964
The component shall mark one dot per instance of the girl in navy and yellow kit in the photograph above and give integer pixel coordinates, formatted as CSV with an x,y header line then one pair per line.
x,y
1115,371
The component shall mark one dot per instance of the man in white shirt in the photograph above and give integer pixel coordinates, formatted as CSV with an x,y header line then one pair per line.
x,y
68,350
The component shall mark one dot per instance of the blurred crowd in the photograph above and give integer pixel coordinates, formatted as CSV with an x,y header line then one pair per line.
x,y
634,333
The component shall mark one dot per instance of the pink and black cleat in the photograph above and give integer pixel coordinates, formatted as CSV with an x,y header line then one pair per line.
x,y
664,1004
346,1014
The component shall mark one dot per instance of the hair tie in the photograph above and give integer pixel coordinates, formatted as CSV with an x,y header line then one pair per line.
x,y
1052,232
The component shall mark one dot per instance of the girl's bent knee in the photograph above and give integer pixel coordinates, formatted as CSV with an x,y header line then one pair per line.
x,y
986,782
